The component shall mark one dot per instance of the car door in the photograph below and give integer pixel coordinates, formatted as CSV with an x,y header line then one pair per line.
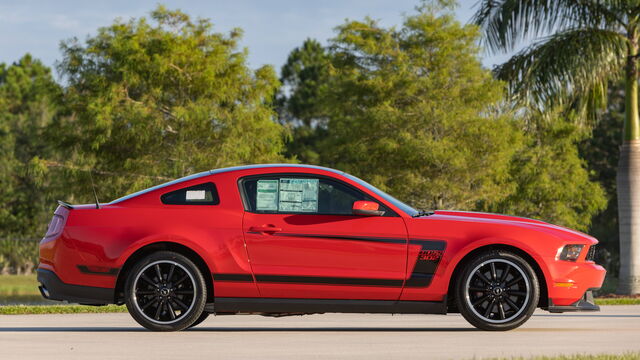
x,y
304,242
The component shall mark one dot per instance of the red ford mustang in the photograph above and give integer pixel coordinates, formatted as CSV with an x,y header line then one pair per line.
x,y
295,239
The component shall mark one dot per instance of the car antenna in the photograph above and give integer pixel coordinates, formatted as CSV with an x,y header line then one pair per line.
x,y
93,186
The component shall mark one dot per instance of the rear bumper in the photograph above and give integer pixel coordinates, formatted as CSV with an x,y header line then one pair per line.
x,y
52,288
586,303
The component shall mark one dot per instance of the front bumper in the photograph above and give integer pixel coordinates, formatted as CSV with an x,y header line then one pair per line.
x,y
586,303
568,282
52,288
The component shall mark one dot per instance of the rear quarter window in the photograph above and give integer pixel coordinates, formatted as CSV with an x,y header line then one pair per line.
x,y
201,194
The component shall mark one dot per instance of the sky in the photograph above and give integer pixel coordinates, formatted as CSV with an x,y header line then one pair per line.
x,y
271,28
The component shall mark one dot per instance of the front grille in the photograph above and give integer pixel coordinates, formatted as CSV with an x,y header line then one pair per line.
x,y
591,254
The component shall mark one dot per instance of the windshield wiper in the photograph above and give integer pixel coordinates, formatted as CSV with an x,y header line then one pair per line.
x,y
424,213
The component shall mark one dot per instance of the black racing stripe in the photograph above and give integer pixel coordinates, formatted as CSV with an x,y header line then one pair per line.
x,y
421,275
329,280
233,277
109,272
428,244
419,280
341,237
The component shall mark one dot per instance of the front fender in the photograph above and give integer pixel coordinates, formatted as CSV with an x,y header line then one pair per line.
x,y
538,256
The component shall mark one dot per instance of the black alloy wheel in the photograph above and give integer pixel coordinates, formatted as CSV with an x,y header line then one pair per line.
x,y
497,291
165,292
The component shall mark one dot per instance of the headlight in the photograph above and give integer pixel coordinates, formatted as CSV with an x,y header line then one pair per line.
x,y
570,252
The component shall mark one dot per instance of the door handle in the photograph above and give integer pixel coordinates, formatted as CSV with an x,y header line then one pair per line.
x,y
265,229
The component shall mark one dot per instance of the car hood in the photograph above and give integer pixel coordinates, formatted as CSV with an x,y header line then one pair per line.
x,y
515,221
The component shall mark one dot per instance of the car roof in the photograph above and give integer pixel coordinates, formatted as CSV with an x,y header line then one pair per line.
x,y
261,166
223,170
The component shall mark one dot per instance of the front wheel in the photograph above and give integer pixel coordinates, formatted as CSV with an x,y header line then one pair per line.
x,y
497,291
165,291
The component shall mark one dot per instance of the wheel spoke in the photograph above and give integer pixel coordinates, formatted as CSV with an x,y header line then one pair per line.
x,y
146,278
501,309
183,292
505,273
517,293
487,312
515,281
180,303
480,300
159,310
181,280
494,275
512,304
160,278
154,301
479,289
171,312
482,277
145,292
171,269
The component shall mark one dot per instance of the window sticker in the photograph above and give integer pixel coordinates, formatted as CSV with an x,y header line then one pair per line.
x,y
298,195
195,195
267,195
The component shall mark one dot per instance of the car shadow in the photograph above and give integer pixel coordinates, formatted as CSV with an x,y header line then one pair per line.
x,y
236,329
330,329
587,315
69,329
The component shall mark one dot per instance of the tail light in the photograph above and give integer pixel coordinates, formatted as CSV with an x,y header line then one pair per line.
x,y
56,225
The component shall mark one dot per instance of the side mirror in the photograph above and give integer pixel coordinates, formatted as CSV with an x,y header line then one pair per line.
x,y
366,208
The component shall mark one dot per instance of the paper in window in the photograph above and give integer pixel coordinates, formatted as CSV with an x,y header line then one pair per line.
x,y
298,195
195,195
267,195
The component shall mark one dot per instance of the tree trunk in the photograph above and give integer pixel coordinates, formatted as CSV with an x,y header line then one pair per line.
x,y
629,183
629,217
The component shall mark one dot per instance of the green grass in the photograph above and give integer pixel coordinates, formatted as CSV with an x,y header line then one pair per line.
x,y
59,309
618,301
18,285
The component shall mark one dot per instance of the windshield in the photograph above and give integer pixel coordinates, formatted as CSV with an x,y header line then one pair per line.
x,y
397,203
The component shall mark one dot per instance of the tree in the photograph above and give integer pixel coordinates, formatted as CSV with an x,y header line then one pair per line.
x,y
298,103
406,108
551,180
583,45
155,99
412,111
29,100
601,152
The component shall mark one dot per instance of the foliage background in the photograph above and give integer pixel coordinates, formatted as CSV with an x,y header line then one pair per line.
x,y
408,108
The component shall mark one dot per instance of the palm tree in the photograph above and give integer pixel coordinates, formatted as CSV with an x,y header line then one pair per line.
x,y
578,47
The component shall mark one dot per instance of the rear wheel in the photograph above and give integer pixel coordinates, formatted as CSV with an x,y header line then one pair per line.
x,y
165,291
497,291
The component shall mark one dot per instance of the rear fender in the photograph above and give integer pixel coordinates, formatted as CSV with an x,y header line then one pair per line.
x,y
165,238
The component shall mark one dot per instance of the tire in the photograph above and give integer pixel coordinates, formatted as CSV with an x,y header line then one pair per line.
x,y
202,318
165,291
497,291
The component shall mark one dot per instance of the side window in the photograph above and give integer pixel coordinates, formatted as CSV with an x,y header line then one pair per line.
x,y
300,195
201,194
336,198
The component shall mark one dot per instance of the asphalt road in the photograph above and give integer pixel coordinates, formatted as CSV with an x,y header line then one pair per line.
x,y
330,336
